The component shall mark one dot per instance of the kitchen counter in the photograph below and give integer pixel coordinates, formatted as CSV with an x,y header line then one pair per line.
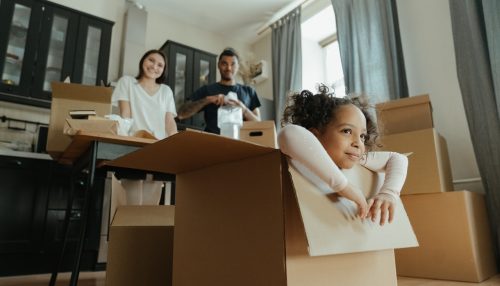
x,y
31,155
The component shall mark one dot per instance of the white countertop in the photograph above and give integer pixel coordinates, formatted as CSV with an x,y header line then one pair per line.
x,y
32,155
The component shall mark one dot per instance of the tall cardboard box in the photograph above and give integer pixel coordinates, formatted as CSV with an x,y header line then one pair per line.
x,y
71,96
140,246
241,221
454,236
259,132
429,168
406,114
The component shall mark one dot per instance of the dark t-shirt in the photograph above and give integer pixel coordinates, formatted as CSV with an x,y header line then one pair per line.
x,y
246,94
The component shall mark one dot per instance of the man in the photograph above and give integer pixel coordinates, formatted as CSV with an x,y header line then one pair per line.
x,y
209,97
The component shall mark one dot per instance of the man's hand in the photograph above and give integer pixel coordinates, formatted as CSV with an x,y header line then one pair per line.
x,y
357,197
217,99
383,205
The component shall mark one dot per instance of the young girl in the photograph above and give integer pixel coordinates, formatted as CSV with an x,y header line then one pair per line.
x,y
326,134
145,98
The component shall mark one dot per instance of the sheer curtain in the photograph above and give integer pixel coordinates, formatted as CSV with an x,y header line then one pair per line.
x,y
476,36
287,59
370,48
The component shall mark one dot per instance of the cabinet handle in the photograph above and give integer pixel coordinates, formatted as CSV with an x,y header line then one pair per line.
x,y
16,163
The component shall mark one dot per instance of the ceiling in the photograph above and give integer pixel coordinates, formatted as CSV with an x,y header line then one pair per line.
x,y
238,19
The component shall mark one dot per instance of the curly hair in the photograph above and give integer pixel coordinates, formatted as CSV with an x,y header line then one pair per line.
x,y
318,110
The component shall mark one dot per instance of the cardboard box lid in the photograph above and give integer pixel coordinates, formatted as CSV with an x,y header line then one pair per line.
x,y
403,102
144,216
189,150
326,219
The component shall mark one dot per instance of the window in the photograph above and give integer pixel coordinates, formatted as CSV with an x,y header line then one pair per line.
x,y
320,53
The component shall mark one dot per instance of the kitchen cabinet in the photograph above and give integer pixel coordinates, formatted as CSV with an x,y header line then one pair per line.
x,y
33,198
41,42
188,69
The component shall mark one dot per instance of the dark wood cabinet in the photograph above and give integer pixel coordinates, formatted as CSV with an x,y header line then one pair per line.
x,y
33,199
188,70
42,42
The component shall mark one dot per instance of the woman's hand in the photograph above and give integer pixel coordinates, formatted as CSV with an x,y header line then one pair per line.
x,y
383,205
357,197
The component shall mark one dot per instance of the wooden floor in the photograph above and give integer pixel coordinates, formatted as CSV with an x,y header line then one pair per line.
x,y
97,279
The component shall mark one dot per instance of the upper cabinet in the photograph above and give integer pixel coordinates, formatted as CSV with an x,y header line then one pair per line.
x,y
42,42
188,70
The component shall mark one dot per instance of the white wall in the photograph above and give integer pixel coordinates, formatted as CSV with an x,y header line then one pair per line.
x,y
262,51
429,54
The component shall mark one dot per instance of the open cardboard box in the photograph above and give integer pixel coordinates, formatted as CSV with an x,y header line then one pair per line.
x,y
242,220
71,96
140,246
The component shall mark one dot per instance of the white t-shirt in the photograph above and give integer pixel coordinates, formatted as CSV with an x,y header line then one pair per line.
x,y
147,111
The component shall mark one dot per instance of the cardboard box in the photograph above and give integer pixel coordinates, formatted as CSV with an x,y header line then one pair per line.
x,y
454,236
103,126
429,168
240,221
260,132
406,114
71,96
140,246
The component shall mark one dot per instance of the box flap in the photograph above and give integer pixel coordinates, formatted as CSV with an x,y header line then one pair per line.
x,y
81,92
144,216
412,100
332,227
189,150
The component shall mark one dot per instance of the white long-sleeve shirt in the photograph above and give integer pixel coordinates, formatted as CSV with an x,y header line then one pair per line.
x,y
311,159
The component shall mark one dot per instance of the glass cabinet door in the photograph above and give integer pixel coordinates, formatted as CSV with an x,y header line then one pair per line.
x,y
56,49
17,55
92,55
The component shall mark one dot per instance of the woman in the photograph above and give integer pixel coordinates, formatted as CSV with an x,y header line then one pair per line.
x,y
145,98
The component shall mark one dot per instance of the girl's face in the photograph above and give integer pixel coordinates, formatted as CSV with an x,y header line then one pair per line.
x,y
344,137
153,66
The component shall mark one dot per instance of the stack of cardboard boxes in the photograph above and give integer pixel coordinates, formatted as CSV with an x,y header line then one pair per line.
x,y
451,226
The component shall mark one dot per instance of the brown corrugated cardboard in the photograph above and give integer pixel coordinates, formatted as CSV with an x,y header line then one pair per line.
x,y
429,168
103,126
140,246
406,114
232,218
260,132
454,236
70,96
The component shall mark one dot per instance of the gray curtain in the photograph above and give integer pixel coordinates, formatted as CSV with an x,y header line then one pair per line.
x,y
287,59
370,48
476,36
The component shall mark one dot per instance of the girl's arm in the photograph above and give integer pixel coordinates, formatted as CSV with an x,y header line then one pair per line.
x,y
301,145
394,165
125,111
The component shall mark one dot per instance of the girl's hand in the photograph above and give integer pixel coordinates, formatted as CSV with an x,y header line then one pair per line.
x,y
356,196
383,205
